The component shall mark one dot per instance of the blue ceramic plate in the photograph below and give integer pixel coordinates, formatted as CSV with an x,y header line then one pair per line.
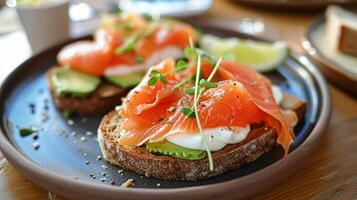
x,y
65,157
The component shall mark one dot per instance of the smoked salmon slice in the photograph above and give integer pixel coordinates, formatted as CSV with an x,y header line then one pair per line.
x,y
95,57
259,88
242,97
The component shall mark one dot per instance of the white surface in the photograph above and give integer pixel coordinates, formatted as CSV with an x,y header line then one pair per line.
x,y
345,64
8,20
14,49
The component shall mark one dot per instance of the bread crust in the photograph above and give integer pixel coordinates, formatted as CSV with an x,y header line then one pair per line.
x,y
345,43
101,101
260,140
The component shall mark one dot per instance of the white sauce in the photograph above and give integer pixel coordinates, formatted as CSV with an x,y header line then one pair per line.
x,y
278,94
217,138
157,57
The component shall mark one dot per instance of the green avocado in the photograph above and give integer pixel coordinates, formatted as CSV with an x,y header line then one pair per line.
x,y
70,82
167,148
126,81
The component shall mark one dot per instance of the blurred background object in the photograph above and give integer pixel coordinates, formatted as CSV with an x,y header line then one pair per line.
x,y
173,8
296,5
331,42
80,10
45,22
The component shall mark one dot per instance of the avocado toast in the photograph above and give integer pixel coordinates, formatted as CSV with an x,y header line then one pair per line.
x,y
198,121
93,75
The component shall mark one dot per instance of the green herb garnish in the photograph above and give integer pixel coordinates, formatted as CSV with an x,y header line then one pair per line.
x,y
155,76
24,132
183,82
152,80
188,112
181,65
195,102
128,46
191,51
207,84
200,86
67,113
190,90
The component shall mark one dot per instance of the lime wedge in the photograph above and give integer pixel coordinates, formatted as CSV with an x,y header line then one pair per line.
x,y
262,56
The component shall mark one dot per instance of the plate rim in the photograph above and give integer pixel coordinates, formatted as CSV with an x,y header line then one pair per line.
x,y
48,179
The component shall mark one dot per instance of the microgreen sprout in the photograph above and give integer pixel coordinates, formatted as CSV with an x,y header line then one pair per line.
x,y
183,82
195,103
27,131
155,76
207,84
181,65
188,112
191,51
190,91
197,90
128,46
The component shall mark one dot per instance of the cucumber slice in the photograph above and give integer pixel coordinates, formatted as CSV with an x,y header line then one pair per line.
x,y
262,56
170,149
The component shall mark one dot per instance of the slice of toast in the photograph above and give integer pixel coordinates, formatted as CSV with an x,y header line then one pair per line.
x,y
101,101
259,141
341,30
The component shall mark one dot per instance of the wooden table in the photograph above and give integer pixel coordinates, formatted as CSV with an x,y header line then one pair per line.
x,y
330,173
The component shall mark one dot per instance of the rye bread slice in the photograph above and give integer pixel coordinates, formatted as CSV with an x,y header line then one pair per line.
x,y
101,101
259,141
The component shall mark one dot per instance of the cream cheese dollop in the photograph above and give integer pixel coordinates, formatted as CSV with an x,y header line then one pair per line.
x,y
217,138
155,58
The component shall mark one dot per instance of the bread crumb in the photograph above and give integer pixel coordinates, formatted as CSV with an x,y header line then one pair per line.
x,y
70,122
128,183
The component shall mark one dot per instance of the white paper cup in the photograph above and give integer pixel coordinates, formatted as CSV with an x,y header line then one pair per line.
x,y
46,24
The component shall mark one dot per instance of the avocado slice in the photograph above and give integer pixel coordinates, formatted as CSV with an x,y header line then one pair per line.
x,y
167,148
71,82
126,81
